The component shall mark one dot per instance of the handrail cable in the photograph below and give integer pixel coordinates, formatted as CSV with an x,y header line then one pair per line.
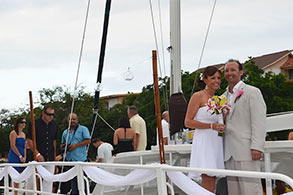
x,y
204,43
140,62
153,167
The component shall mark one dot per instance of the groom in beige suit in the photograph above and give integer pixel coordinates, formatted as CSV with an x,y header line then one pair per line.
x,y
245,131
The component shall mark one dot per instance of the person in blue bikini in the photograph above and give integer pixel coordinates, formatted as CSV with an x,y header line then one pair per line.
x,y
17,152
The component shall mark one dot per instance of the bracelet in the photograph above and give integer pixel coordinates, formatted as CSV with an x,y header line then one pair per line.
x,y
38,155
20,156
211,125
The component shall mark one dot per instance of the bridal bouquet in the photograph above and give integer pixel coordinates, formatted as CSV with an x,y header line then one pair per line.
x,y
216,105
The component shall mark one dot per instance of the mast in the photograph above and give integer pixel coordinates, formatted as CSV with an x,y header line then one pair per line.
x,y
175,52
102,55
100,69
177,101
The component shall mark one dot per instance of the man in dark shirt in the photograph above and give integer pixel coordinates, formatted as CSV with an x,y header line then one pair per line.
x,y
46,135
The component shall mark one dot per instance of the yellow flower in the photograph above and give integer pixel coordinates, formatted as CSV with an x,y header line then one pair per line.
x,y
216,98
222,102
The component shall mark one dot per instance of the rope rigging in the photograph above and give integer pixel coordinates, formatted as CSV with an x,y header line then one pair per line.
x,y
77,74
165,91
75,85
165,95
204,43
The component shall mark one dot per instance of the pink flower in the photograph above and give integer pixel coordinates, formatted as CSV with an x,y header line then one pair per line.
x,y
216,104
240,92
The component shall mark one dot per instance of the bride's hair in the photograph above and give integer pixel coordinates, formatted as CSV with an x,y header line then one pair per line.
x,y
209,71
17,122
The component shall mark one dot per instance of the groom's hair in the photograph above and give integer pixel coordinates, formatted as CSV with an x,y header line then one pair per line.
x,y
240,66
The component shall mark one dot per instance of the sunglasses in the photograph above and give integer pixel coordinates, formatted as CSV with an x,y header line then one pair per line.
x,y
23,122
49,114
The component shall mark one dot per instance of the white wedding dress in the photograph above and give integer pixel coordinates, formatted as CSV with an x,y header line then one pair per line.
x,y
207,146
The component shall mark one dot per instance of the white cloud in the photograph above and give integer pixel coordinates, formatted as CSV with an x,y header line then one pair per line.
x,y
40,40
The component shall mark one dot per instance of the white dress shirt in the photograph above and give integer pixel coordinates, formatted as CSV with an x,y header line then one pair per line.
x,y
165,131
231,96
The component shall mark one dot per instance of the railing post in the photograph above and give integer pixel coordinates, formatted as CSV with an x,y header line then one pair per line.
x,y
34,175
141,185
171,163
6,181
80,182
161,181
267,161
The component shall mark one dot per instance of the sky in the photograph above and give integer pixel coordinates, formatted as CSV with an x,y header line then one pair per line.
x,y
40,41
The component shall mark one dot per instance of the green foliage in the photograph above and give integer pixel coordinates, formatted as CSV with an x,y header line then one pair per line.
x,y
277,92
129,100
188,81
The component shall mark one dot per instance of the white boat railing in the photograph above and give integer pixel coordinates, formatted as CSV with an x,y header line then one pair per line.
x,y
160,174
277,122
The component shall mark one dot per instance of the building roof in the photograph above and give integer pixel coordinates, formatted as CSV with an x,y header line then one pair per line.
x,y
219,66
268,59
261,61
118,95
289,63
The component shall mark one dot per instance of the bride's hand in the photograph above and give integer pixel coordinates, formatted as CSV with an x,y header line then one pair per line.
x,y
219,127
226,110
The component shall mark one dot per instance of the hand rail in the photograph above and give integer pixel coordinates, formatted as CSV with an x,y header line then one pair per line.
x,y
160,170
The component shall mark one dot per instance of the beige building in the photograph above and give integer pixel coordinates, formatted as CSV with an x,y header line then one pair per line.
x,y
279,62
111,100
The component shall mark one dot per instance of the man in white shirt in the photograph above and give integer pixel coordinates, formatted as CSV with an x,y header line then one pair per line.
x,y
165,129
245,130
104,152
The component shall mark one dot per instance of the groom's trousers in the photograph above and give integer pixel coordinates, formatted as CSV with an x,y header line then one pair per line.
x,y
243,185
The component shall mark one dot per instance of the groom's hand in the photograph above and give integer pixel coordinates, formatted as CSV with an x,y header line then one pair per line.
x,y
255,154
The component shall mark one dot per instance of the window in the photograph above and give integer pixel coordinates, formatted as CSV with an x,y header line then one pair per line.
x,y
276,70
106,105
290,74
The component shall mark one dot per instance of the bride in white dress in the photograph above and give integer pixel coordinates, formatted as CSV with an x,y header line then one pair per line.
x,y
207,146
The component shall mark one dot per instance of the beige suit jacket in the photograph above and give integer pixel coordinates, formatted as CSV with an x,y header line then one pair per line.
x,y
245,124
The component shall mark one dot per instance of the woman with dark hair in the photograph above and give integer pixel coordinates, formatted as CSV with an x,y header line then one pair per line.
x,y
207,146
17,152
124,137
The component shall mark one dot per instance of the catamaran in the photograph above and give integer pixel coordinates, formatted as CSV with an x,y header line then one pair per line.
x,y
140,172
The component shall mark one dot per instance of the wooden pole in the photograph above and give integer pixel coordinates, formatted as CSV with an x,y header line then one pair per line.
x,y
33,126
158,109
